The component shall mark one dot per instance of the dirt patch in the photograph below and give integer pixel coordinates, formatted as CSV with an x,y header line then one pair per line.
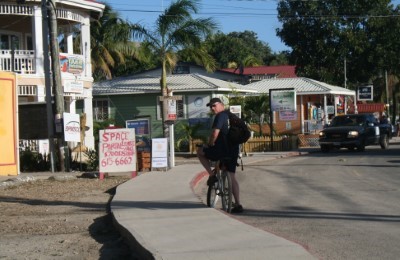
x,y
60,219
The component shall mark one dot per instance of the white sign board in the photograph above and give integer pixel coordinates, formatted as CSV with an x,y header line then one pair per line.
x,y
237,110
73,86
117,150
159,152
283,100
72,127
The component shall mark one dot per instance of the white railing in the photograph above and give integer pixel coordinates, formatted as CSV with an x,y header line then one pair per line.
x,y
22,61
313,126
16,9
13,9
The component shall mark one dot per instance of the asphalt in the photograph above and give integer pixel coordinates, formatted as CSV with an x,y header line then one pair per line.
x,y
162,218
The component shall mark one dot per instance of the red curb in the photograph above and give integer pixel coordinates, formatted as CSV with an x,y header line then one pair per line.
x,y
197,178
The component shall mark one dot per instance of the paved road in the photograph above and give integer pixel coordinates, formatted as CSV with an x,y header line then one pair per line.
x,y
340,205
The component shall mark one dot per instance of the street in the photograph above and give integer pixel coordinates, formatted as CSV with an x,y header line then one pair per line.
x,y
338,205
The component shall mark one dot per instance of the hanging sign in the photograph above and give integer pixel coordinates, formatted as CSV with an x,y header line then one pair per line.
x,y
171,109
72,127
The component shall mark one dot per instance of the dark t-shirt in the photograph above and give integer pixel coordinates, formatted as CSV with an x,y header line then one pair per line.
x,y
221,123
223,148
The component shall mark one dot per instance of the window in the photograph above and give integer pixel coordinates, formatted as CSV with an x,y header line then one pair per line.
x,y
100,110
8,42
180,112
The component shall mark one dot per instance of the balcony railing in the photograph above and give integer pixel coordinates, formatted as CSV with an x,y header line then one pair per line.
x,y
21,61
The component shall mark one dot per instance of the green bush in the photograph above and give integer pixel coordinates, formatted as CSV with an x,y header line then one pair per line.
x,y
33,162
92,160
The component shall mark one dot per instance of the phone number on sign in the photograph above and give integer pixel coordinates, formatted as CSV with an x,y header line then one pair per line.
x,y
117,161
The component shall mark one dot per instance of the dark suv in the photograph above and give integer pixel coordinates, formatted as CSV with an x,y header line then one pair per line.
x,y
354,131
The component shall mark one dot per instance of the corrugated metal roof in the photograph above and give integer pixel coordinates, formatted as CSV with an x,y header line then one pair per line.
x,y
176,83
303,86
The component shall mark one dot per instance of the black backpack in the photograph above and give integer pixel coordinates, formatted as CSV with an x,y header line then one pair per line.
x,y
238,132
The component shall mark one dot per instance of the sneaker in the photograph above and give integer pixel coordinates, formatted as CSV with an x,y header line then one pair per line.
x,y
211,180
237,209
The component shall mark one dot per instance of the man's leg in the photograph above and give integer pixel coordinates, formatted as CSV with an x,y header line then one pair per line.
x,y
235,188
204,161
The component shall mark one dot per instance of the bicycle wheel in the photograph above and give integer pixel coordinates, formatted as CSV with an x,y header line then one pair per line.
x,y
226,191
213,195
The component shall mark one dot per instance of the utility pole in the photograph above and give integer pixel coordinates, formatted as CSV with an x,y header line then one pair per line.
x,y
46,63
387,94
345,73
49,9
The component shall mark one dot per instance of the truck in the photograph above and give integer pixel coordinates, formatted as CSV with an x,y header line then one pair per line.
x,y
355,131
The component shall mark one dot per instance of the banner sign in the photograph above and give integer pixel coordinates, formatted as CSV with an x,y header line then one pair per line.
x,y
73,64
117,150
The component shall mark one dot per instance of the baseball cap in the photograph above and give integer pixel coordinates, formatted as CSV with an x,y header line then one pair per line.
x,y
213,101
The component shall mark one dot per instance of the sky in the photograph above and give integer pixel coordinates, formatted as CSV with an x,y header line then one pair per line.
x,y
259,16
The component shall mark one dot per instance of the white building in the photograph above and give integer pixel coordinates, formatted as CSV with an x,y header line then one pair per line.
x,y
21,52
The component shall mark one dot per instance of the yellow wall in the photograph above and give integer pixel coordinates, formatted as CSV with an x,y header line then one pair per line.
x,y
8,125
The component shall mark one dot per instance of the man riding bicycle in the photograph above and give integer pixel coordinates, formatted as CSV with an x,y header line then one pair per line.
x,y
219,147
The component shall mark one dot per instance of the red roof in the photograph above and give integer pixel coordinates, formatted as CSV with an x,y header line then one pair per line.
x,y
285,71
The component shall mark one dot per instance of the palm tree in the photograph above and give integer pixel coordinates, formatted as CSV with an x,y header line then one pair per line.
x,y
175,29
190,133
257,106
111,44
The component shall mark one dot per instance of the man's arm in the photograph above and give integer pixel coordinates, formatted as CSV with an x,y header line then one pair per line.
x,y
213,137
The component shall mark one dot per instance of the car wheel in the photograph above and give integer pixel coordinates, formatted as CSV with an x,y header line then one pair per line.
x,y
325,148
384,142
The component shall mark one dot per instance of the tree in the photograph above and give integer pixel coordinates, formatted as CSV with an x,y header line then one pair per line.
x,y
324,34
238,49
175,29
111,44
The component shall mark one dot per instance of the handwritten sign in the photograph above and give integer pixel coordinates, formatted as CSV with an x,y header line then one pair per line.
x,y
117,150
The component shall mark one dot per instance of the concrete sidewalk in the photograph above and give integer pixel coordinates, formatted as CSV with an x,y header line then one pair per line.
x,y
163,219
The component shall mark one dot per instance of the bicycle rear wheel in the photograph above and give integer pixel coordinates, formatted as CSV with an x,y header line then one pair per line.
x,y
226,191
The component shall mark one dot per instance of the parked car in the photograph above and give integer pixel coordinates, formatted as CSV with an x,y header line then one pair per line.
x,y
355,131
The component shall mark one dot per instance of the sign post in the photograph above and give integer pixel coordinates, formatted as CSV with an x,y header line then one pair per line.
x,y
170,116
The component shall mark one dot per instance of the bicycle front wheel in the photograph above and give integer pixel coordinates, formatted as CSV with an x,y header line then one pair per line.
x,y
213,195
226,191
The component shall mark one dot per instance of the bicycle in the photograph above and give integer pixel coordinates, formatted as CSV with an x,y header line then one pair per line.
x,y
221,189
